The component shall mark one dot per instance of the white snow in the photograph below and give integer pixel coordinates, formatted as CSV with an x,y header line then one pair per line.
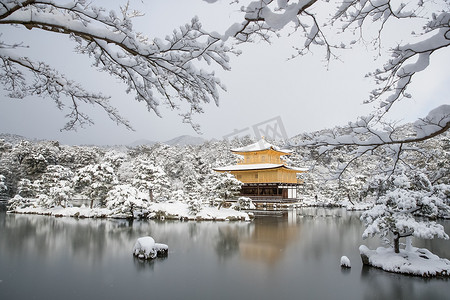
x,y
179,210
417,261
260,145
145,248
345,262
357,205
174,210
434,121
257,167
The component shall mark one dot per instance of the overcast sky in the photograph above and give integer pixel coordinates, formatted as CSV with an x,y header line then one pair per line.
x,y
261,85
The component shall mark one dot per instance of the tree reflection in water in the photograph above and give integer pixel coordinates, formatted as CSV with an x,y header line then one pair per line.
x,y
267,258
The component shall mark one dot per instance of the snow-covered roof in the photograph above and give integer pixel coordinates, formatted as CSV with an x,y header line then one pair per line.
x,y
245,167
260,145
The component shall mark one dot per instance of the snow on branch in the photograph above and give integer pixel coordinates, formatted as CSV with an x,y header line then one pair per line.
x,y
263,19
154,69
396,75
49,83
363,138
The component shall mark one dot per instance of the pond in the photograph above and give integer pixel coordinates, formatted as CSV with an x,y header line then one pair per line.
x,y
293,257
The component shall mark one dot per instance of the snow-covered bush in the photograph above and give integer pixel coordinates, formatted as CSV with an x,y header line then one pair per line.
x,y
115,158
194,204
56,183
95,181
226,186
61,193
26,188
178,196
21,202
45,201
150,179
126,199
35,157
244,203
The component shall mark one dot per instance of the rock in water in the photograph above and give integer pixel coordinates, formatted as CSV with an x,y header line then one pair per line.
x,y
146,248
345,262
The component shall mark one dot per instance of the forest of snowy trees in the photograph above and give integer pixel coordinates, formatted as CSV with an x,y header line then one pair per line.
x,y
48,174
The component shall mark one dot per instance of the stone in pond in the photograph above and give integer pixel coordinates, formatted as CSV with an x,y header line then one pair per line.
x,y
146,248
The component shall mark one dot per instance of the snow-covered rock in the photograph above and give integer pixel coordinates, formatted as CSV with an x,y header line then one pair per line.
x,y
416,261
345,262
146,248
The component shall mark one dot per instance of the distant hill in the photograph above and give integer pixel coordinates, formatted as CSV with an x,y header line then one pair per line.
x,y
184,140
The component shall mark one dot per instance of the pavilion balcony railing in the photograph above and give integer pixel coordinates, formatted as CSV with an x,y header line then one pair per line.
x,y
268,198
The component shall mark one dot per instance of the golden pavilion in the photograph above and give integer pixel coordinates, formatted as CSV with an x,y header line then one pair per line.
x,y
265,176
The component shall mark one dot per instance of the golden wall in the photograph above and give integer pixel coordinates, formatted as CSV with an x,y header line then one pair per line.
x,y
266,176
261,157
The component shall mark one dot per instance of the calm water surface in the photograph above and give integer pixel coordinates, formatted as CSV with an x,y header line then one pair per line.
x,y
296,257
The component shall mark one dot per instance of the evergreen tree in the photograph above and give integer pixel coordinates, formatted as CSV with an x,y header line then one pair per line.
x,y
401,200
95,181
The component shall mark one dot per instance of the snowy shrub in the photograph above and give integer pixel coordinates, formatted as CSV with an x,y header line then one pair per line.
x,y
216,202
35,157
114,158
21,202
244,203
178,196
125,199
27,189
95,181
61,193
226,186
56,183
194,204
45,201
150,179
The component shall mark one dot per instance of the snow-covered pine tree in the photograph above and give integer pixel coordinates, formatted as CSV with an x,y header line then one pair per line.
x,y
404,206
57,186
95,181
27,189
125,199
226,187
150,179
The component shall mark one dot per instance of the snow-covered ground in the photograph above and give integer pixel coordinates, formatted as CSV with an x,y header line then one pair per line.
x,y
332,203
163,210
414,261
